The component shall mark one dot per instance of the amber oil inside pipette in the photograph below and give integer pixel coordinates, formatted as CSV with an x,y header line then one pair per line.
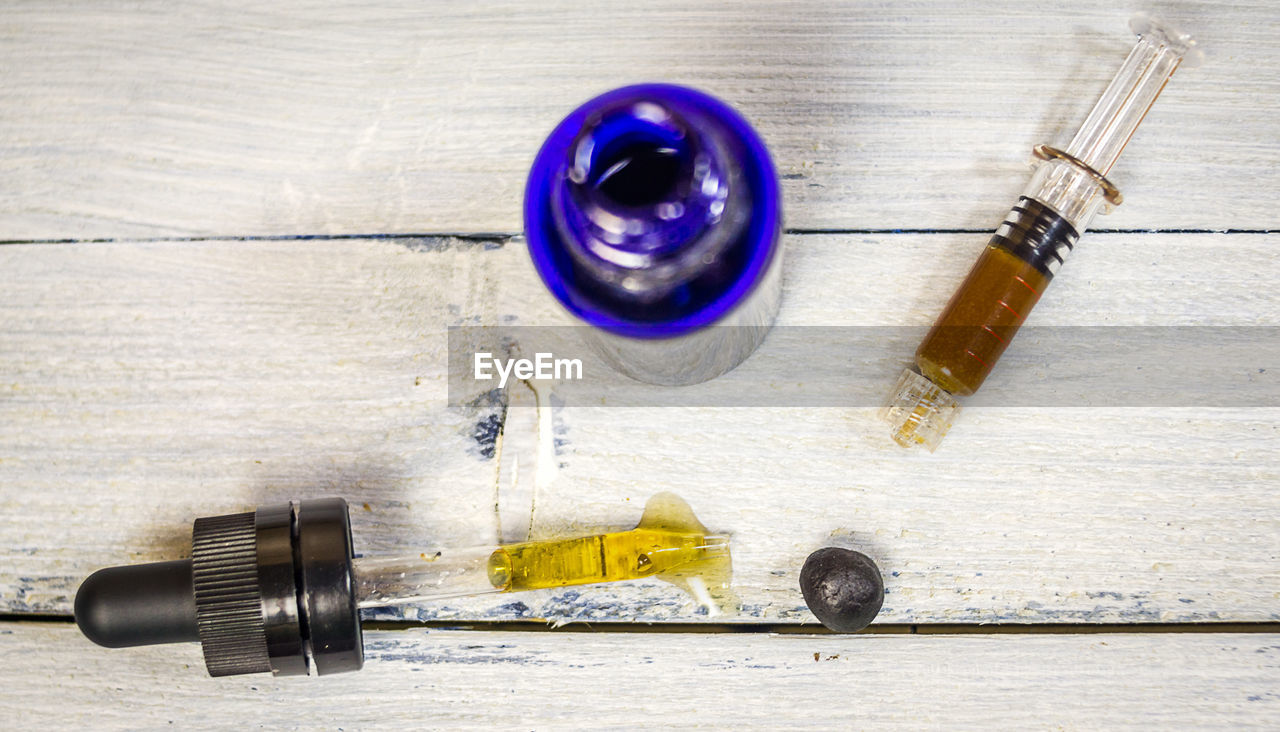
x,y
669,543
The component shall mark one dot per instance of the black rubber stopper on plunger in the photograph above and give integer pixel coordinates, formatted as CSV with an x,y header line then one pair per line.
x,y
843,588
267,591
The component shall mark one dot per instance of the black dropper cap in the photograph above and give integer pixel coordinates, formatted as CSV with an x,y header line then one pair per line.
x,y
269,590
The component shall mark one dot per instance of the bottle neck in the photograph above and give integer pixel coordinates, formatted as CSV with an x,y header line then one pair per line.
x,y
648,201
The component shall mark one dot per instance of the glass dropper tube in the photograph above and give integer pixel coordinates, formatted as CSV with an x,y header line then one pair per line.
x,y
435,575
669,544
1067,190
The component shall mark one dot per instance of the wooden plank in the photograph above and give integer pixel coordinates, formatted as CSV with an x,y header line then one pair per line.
x,y
145,384
239,118
55,678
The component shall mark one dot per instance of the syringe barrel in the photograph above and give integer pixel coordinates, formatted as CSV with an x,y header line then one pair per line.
x,y
993,301
1066,192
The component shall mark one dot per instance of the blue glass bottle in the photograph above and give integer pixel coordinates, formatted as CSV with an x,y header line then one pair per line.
x,y
653,214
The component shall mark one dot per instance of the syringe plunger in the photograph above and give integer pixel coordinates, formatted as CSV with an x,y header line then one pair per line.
x,y
1066,191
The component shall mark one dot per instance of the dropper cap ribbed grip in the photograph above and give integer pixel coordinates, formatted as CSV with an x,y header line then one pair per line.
x,y
224,562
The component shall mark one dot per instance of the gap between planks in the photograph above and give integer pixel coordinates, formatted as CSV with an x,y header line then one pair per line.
x,y
504,237
535,626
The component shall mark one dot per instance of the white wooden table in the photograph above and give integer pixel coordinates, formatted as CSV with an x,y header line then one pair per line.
x,y
236,234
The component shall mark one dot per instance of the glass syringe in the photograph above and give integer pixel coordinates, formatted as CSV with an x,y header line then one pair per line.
x,y
279,590
1065,193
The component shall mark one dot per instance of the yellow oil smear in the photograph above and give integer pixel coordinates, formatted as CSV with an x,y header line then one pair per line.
x,y
669,544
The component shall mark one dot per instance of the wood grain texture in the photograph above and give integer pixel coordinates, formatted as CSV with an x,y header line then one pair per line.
x,y
145,384
236,118
552,680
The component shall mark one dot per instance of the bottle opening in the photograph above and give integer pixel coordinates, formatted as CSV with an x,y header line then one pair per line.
x,y
646,200
637,172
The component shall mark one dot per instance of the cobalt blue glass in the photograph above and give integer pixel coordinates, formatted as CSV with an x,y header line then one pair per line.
x,y
653,214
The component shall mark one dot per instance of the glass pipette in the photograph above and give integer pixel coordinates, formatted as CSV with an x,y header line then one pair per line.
x,y
669,543
278,589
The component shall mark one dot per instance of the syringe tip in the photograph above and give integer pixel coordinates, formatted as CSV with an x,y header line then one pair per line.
x,y
920,412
